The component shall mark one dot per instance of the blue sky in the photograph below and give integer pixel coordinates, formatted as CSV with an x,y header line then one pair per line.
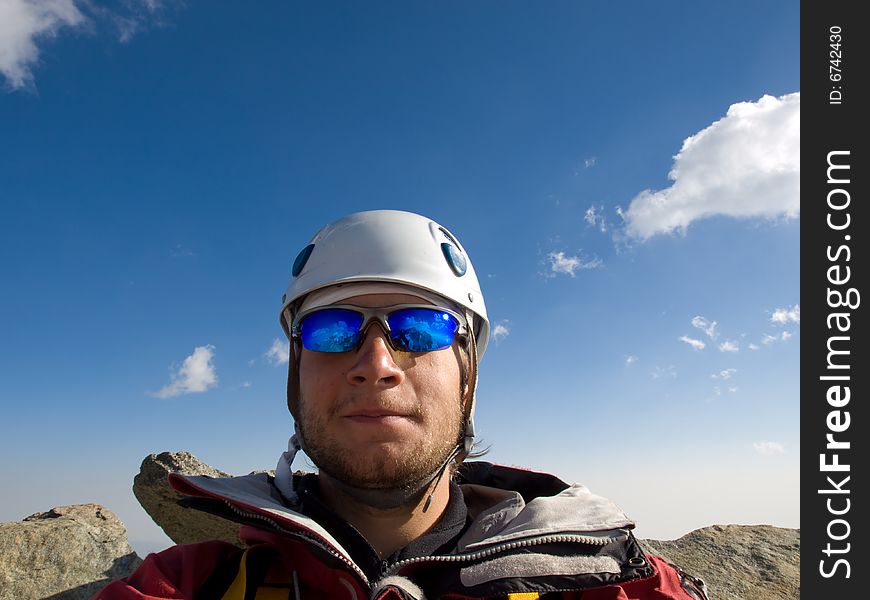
x,y
625,179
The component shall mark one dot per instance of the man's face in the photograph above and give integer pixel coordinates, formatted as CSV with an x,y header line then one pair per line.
x,y
377,418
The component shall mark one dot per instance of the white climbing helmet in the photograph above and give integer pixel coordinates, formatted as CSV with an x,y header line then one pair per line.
x,y
389,246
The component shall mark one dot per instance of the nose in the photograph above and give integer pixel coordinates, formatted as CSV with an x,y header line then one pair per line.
x,y
374,363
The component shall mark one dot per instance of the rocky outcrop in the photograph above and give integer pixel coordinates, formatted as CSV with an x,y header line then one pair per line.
x,y
739,562
67,553
182,525
70,552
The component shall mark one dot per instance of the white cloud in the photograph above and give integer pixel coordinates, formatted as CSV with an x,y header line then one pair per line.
x,y
590,215
717,391
696,344
23,23
500,331
768,448
559,263
278,353
182,251
663,372
787,315
138,15
196,374
630,359
753,346
620,213
769,339
746,164
27,24
706,326
586,163
729,346
594,217
724,374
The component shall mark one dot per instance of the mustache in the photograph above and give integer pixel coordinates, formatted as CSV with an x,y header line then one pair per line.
x,y
388,404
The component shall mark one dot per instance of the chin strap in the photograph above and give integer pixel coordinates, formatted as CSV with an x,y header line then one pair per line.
x,y
284,469
465,448
440,472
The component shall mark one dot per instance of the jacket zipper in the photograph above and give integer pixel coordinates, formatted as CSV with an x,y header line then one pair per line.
x,y
310,537
396,567
528,542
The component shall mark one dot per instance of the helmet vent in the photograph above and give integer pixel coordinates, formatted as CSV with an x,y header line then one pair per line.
x,y
301,259
449,236
455,259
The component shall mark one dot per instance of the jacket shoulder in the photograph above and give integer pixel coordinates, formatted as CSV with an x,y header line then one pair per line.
x,y
180,572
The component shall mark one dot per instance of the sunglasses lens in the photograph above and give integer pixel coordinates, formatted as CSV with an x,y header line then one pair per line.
x,y
422,329
331,330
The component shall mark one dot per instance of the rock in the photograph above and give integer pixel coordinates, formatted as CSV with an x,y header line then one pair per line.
x,y
182,525
67,553
738,562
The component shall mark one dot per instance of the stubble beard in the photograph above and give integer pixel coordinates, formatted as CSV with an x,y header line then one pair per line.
x,y
400,471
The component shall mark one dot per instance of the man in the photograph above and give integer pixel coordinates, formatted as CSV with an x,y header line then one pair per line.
x,y
387,324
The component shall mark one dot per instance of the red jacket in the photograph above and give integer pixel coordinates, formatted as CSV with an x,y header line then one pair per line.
x,y
531,536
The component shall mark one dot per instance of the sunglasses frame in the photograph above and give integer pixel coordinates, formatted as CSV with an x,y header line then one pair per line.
x,y
379,314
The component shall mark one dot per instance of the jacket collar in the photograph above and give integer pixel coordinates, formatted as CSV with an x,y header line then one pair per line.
x,y
508,504
505,504
250,498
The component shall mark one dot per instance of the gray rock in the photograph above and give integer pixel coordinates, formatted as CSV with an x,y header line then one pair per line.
x,y
160,501
738,562
67,553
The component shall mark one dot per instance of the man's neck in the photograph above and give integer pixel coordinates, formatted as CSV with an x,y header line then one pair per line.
x,y
387,529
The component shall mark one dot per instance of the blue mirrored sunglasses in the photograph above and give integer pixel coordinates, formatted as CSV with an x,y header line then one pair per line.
x,y
409,327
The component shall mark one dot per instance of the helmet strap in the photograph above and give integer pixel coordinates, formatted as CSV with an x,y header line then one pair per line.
x,y
393,498
470,393
293,392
